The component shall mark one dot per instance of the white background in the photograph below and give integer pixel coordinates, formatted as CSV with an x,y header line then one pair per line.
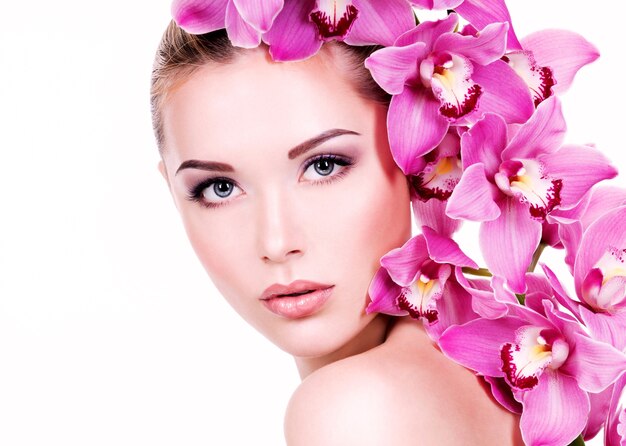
x,y
110,332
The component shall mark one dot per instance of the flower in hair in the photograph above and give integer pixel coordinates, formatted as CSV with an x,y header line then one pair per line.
x,y
439,77
304,25
244,20
417,280
511,183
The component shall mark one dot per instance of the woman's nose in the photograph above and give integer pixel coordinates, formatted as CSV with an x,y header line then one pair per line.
x,y
279,237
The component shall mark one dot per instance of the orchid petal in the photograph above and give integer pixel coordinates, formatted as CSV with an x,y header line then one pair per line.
x,y
595,365
602,200
380,22
240,32
608,328
508,243
559,292
483,301
454,308
472,199
428,32
598,413
415,127
543,133
476,344
504,93
199,16
334,18
488,46
565,52
538,79
555,412
292,36
384,293
445,250
432,213
614,434
259,13
565,164
391,67
481,13
404,263
501,391
483,143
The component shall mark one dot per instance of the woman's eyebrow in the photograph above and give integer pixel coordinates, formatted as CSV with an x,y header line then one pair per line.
x,y
205,165
317,140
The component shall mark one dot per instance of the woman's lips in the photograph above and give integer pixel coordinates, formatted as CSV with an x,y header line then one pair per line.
x,y
296,300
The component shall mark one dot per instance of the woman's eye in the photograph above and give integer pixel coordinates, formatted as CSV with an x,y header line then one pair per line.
x,y
215,192
326,166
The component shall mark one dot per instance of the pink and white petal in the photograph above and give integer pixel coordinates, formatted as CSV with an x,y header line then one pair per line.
x,y
487,47
392,67
383,293
538,79
436,4
597,415
415,127
432,213
476,344
199,16
565,164
595,365
380,22
606,233
259,14
608,328
240,32
483,143
292,36
508,243
443,249
481,13
504,93
404,263
555,412
454,307
543,133
452,84
428,32
472,199
565,52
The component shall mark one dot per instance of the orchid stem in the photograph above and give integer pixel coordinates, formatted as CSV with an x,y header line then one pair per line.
x,y
536,256
483,272
578,441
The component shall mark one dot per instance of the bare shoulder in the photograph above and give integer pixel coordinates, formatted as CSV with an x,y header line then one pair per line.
x,y
400,394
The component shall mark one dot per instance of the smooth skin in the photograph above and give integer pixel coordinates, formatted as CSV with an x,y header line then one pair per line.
x,y
257,216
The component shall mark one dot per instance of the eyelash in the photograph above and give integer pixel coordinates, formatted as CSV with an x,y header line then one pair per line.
x,y
196,193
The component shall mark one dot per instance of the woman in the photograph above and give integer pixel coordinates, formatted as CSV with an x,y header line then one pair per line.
x,y
285,183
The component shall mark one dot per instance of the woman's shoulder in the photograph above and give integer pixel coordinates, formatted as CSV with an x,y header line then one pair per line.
x,y
403,392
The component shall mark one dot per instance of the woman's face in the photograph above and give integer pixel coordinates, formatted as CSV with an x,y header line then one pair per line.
x,y
285,183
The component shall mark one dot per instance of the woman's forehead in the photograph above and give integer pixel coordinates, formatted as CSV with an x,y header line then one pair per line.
x,y
257,103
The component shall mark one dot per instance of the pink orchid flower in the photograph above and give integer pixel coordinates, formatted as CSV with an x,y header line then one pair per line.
x,y
439,78
415,280
511,183
303,25
548,61
548,360
433,184
600,279
245,20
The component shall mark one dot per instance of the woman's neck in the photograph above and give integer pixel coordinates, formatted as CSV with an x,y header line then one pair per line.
x,y
373,335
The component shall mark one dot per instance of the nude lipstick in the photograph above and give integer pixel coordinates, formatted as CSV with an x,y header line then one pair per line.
x,y
299,299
